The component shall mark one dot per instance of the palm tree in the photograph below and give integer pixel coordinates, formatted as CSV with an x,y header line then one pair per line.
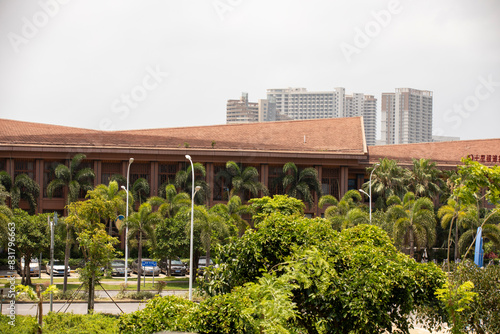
x,y
73,179
452,212
388,180
242,181
300,183
211,226
414,221
173,201
142,223
233,211
424,179
473,219
140,190
183,182
347,212
23,188
115,197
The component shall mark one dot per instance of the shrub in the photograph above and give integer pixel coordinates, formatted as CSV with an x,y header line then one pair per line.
x,y
484,312
59,295
160,314
142,295
222,314
22,325
59,323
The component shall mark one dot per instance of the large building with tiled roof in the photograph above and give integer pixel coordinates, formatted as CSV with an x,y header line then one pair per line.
x,y
335,147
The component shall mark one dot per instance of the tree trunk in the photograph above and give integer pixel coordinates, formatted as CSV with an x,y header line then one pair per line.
x,y
66,259
456,240
40,309
139,263
90,305
412,242
27,272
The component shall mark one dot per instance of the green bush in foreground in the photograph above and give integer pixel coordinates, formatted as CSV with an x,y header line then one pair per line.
x,y
22,325
160,313
62,323
66,323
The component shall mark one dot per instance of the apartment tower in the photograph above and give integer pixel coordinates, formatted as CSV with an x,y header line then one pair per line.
x,y
242,111
298,103
406,116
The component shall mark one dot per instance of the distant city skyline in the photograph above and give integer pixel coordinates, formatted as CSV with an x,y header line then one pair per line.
x,y
123,64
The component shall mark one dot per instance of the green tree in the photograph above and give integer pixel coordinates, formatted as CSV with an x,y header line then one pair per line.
x,y
140,190
233,213
301,183
414,221
389,179
474,219
452,212
32,236
346,213
183,182
116,198
142,223
173,201
171,240
477,184
23,188
243,182
424,179
96,245
73,179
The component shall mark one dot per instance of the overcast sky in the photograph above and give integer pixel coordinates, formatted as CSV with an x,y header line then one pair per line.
x,y
123,64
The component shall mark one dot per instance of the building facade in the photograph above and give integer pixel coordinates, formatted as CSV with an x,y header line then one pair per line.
x,y
406,116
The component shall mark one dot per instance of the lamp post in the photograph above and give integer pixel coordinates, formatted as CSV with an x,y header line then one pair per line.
x,y
193,192
126,222
370,190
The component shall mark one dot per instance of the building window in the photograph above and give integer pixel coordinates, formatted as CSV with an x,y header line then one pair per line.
x,y
221,188
24,166
166,174
275,180
330,182
3,164
109,169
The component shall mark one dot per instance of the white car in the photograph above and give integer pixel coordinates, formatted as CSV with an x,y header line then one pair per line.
x,y
58,268
34,267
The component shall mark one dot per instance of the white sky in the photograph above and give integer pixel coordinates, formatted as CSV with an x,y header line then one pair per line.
x,y
77,64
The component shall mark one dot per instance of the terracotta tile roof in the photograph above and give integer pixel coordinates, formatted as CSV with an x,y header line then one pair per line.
x,y
340,135
444,153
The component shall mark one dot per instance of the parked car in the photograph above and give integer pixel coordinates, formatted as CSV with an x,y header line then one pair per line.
x,y
34,267
58,268
177,267
147,270
118,268
202,263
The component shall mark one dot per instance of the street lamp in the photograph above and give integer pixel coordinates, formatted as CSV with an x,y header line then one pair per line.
x,y
126,222
193,192
370,194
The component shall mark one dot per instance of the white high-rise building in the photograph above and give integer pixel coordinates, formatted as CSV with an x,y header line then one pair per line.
x,y
406,116
359,104
242,111
298,103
